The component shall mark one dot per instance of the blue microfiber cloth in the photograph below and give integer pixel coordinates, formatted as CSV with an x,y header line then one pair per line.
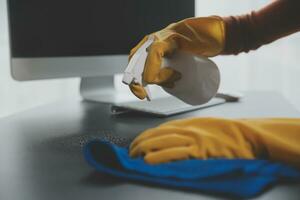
x,y
234,177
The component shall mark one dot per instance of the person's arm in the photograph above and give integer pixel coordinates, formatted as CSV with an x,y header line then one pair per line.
x,y
214,35
248,32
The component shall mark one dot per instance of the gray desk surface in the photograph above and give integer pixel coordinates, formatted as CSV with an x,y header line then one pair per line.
x,y
40,149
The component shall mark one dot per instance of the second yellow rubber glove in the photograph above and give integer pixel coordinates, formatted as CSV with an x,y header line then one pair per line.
x,y
202,138
199,36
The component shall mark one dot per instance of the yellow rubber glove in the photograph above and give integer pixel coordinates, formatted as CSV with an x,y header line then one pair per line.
x,y
199,36
274,139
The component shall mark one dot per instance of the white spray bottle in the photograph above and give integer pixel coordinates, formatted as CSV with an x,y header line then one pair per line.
x,y
200,77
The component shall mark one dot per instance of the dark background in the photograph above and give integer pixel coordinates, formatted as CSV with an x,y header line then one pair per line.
x,y
52,28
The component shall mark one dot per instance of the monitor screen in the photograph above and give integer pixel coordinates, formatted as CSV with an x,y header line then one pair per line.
x,y
62,28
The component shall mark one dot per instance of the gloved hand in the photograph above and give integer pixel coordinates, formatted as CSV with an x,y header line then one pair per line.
x,y
199,36
202,138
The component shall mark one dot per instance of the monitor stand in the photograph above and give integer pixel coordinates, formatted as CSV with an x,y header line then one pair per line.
x,y
102,89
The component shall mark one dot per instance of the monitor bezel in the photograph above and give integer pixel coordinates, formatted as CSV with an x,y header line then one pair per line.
x,y
23,69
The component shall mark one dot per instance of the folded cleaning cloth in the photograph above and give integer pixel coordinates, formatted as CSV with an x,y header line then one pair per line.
x,y
234,177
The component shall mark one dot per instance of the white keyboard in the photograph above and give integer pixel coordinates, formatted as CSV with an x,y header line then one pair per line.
x,y
164,106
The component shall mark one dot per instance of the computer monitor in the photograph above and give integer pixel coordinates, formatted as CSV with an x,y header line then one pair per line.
x,y
89,39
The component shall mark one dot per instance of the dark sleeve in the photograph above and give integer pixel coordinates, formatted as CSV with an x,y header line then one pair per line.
x,y
248,32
